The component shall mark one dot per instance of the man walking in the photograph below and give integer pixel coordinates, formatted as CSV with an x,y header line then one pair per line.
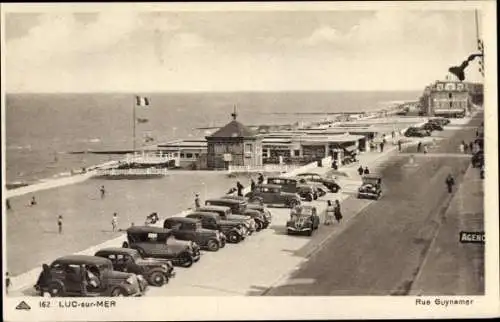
x,y
382,146
399,145
103,192
260,180
450,182
471,147
360,170
419,146
330,213
59,224
239,187
197,202
366,171
466,147
33,201
114,222
252,184
337,212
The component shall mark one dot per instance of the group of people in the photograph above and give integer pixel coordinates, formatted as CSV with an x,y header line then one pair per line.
x,y
333,212
419,148
362,171
470,147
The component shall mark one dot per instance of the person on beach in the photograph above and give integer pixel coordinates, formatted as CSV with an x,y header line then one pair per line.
x,y
114,221
239,187
399,145
252,184
425,149
103,192
260,179
8,282
337,211
360,170
197,201
330,213
450,182
366,171
60,224
419,146
33,201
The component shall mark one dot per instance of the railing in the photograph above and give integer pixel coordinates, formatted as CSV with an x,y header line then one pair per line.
x,y
130,172
150,158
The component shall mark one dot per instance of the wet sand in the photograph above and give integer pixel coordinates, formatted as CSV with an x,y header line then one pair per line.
x,y
32,233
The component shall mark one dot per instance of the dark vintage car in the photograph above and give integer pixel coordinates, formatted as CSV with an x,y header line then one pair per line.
x,y
273,194
307,191
191,229
256,203
225,213
477,159
156,271
82,276
416,132
240,207
234,231
156,242
330,183
432,126
303,219
293,185
440,120
371,187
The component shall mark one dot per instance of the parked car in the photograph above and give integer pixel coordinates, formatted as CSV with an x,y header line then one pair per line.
x,y
371,187
156,271
440,120
225,214
240,207
330,183
307,191
303,219
256,203
274,194
155,242
416,132
432,126
234,231
87,276
191,229
478,159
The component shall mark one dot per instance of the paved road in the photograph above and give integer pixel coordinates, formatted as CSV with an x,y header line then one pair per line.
x,y
381,249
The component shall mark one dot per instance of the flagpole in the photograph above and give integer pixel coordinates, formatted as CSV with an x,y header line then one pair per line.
x,y
477,25
133,122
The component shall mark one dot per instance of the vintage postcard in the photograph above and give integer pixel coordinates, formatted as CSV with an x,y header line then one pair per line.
x,y
260,160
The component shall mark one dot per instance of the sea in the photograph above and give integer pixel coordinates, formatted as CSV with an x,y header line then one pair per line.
x,y
42,129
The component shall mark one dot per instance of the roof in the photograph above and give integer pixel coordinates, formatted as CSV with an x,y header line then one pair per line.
x,y
217,208
148,229
182,219
267,185
83,259
233,201
233,129
118,250
203,213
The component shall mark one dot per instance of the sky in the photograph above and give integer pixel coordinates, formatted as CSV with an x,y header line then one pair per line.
x,y
126,51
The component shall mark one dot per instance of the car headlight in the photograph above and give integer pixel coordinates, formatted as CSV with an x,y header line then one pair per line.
x,y
131,280
165,267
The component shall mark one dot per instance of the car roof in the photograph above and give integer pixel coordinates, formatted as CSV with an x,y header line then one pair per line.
x,y
232,201
219,208
203,213
269,185
148,229
182,219
117,250
306,174
282,178
82,260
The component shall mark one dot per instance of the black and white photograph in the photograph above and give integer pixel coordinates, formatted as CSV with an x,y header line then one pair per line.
x,y
228,161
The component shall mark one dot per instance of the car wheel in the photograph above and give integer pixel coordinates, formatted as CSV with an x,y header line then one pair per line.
x,y
157,279
118,292
55,289
309,197
186,260
233,237
258,225
125,245
223,243
213,245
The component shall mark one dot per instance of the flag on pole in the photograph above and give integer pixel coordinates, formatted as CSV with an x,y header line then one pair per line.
x,y
141,101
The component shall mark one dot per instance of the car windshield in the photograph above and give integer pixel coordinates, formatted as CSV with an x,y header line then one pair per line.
x,y
372,181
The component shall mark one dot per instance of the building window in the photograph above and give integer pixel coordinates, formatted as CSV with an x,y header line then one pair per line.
x,y
296,153
248,147
182,155
189,155
196,155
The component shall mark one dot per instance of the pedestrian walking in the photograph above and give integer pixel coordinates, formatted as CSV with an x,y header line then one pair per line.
x,y
33,201
239,187
450,182
399,145
382,146
252,184
335,165
461,148
330,213
60,224
360,170
114,221
8,282
466,147
337,211
425,149
471,147
419,146
7,204
197,201
366,171
103,192
260,179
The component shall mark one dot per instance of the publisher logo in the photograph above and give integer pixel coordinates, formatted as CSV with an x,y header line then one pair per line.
x,y
23,306
472,237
